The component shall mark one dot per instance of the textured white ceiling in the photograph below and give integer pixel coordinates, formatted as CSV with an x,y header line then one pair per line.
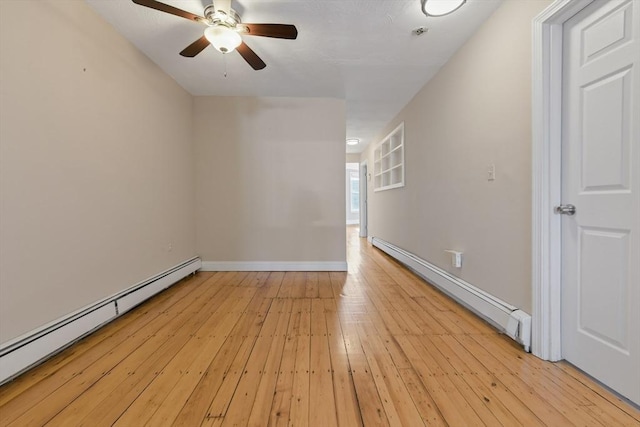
x,y
360,50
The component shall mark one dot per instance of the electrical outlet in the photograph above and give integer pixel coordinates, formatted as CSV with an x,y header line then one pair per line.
x,y
491,172
456,258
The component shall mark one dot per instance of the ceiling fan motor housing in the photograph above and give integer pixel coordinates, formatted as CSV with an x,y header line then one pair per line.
x,y
220,17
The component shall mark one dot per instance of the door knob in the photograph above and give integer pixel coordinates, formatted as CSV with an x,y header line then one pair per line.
x,y
565,210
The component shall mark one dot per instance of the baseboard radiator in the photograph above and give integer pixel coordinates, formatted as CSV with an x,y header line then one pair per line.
x,y
26,351
507,318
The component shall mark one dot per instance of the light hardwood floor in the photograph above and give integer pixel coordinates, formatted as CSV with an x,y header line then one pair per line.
x,y
376,346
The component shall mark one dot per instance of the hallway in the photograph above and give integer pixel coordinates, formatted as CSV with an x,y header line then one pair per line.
x,y
376,346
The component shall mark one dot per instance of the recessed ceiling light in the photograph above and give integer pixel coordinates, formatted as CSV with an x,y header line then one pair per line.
x,y
441,7
353,141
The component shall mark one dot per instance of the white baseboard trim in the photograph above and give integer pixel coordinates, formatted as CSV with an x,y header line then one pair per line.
x,y
274,266
507,318
30,349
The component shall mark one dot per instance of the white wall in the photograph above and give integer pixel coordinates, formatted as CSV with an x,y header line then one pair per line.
x,y
475,112
96,164
270,183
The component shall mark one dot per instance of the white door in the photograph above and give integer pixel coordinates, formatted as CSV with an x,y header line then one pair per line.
x,y
601,177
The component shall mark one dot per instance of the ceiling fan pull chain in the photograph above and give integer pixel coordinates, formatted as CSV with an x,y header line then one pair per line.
x,y
224,59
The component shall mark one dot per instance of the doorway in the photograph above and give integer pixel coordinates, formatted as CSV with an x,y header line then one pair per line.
x,y
353,193
364,178
586,276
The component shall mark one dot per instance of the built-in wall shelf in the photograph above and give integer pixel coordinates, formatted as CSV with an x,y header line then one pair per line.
x,y
388,163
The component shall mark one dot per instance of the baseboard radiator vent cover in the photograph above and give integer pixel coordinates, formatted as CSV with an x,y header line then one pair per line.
x,y
509,319
30,349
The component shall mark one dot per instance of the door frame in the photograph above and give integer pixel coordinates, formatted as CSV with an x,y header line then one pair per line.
x,y
546,284
364,212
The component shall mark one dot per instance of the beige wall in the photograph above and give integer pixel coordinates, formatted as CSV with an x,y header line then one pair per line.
x,y
96,159
353,157
270,179
475,112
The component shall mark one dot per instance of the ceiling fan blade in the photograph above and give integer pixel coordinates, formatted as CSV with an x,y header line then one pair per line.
x,y
250,56
280,31
153,4
195,48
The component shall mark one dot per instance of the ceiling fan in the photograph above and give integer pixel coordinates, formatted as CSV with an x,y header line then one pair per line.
x,y
224,30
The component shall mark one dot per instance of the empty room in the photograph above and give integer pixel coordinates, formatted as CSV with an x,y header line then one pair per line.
x,y
319,213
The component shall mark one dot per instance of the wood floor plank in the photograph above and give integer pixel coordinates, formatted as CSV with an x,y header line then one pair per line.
x,y
324,285
286,286
299,412
608,402
273,283
40,382
543,377
391,323
487,383
393,320
113,397
281,407
562,393
245,394
124,358
374,346
369,400
525,393
311,285
239,365
344,285
134,319
425,405
322,412
390,343
196,355
266,390
346,400
404,278
298,284
490,410
453,407
195,409
395,397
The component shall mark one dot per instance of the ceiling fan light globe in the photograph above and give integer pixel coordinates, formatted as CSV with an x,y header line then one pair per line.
x,y
223,38
441,7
